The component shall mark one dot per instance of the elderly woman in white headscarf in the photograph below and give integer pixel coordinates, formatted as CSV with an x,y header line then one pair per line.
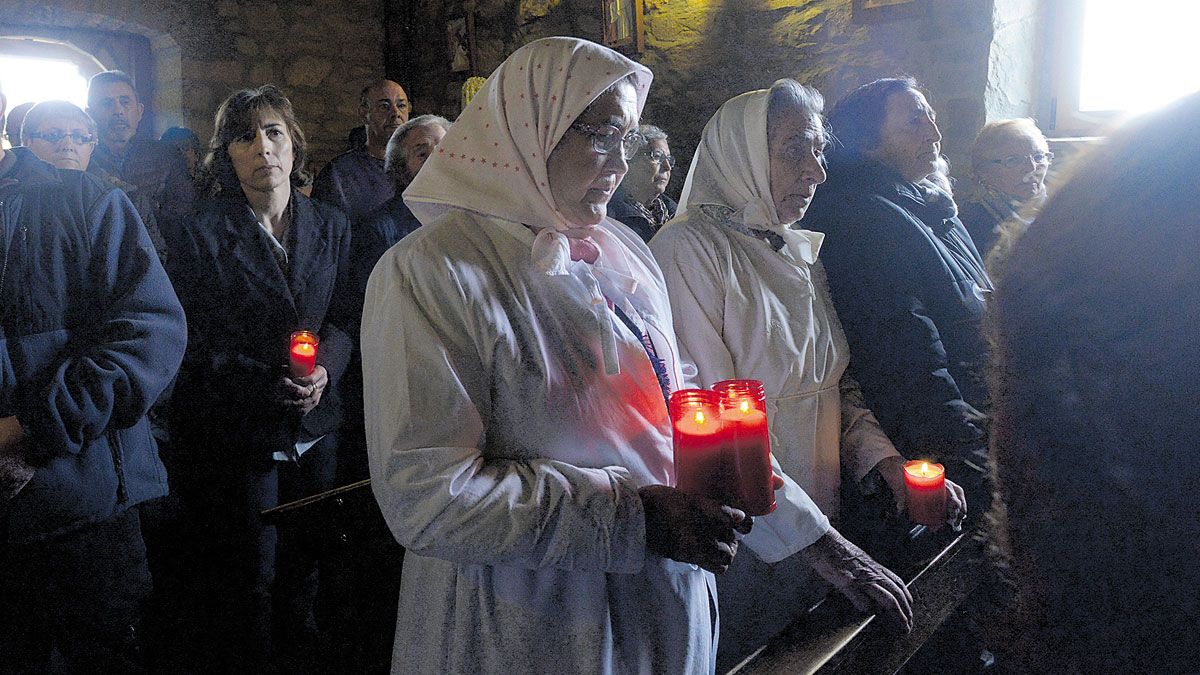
x,y
749,301
517,350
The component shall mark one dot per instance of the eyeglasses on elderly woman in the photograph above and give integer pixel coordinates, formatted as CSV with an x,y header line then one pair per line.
x,y
606,138
55,136
659,157
1014,161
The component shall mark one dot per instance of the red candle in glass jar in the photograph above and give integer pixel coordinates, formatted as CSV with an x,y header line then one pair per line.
x,y
699,443
748,445
302,356
926,483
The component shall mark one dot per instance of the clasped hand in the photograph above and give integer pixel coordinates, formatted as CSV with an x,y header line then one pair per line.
x,y
693,529
303,393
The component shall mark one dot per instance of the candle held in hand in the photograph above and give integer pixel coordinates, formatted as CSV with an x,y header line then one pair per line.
x,y
748,445
926,483
696,432
302,357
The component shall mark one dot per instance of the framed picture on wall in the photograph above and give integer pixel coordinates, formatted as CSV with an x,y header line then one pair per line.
x,y
623,25
460,43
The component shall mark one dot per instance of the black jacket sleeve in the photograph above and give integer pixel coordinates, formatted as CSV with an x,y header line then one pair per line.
x,y
896,347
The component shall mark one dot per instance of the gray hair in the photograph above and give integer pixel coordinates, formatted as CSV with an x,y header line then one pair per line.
x,y
652,133
395,160
996,132
47,109
788,95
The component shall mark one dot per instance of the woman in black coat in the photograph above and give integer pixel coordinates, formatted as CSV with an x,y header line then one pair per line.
x,y
259,261
907,282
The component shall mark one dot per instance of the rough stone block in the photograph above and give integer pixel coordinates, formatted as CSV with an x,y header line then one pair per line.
x,y
213,71
245,46
307,71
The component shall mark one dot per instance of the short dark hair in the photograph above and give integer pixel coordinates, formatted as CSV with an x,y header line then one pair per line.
x,y
857,119
182,136
240,114
110,77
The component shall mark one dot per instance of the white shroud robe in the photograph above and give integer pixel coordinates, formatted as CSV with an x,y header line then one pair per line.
x,y
507,462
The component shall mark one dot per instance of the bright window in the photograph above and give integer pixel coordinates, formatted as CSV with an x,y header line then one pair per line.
x,y
28,79
1138,56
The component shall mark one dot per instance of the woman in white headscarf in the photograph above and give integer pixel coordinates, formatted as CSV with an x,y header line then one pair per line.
x,y
517,350
750,301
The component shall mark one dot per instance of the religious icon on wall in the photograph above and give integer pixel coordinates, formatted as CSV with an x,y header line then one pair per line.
x,y
460,40
623,25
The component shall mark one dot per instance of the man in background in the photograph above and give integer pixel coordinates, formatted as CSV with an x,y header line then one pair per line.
x,y
355,180
152,168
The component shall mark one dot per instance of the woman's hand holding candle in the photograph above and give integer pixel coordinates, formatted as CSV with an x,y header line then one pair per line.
x,y
692,529
891,469
303,393
932,500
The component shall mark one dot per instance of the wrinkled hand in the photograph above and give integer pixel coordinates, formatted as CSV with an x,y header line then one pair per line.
x,y
692,529
303,393
871,587
956,506
892,471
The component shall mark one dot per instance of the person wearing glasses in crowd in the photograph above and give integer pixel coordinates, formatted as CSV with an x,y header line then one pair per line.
x,y
1009,161
640,201
517,352
90,333
63,134
60,133
355,181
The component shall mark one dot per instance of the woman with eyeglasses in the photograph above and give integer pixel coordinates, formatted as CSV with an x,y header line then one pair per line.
x,y
907,282
640,201
517,352
63,134
1009,161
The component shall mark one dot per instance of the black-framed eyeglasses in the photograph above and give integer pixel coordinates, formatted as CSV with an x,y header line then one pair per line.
x,y
606,138
1014,161
78,137
659,157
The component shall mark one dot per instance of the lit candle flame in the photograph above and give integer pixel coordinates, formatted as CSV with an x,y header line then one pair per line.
x,y
924,468
745,406
699,417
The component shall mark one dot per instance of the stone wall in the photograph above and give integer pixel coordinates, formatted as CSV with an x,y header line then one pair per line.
x,y
321,52
704,52
1012,68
